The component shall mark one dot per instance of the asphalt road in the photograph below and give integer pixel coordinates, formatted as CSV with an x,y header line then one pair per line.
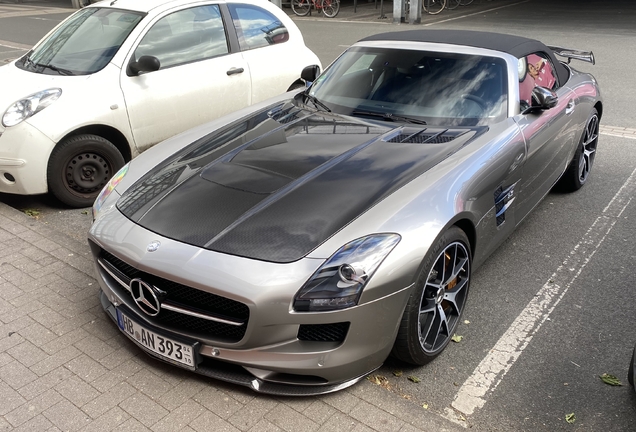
x,y
519,367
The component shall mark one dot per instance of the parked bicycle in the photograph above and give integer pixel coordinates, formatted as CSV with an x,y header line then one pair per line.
x,y
434,7
303,7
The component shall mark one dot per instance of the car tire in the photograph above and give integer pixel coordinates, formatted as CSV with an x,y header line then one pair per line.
x,y
578,171
80,166
437,302
630,373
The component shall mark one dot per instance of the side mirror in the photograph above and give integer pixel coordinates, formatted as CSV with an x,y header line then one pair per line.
x,y
144,64
542,98
310,73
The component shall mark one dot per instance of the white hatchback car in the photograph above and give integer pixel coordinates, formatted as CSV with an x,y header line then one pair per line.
x,y
120,76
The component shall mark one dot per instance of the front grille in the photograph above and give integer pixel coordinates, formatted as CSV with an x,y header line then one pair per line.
x,y
323,332
193,299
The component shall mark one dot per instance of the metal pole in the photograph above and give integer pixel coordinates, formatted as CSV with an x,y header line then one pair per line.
x,y
382,16
398,11
278,3
415,12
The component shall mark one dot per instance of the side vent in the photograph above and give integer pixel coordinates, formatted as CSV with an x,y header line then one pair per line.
x,y
284,115
503,199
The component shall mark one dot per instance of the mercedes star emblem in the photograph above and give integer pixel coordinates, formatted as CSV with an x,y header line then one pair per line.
x,y
153,246
145,297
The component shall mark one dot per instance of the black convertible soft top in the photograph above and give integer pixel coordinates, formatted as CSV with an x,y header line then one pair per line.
x,y
517,46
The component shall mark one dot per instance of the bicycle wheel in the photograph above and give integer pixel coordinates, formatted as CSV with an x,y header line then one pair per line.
x,y
330,7
433,7
452,4
301,7
465,2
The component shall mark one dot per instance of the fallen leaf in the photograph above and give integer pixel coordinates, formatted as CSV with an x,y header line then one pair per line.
x,y
397,373
466,322
380,380
84,212
610,379
457,338
570,418
32,212
425,405
414,379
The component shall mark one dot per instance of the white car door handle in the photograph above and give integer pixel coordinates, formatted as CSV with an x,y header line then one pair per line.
x,y
234,71
569,109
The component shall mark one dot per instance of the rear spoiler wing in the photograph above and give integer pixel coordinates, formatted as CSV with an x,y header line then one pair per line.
x,y
586,56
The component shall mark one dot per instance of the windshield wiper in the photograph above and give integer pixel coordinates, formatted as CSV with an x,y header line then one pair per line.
x,y
316,102
52,67
389,117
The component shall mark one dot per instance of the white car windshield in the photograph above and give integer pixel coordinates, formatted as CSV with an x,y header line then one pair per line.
x,y
399,84
83,44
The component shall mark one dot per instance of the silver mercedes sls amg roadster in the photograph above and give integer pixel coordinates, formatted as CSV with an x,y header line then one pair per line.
x,y
292,246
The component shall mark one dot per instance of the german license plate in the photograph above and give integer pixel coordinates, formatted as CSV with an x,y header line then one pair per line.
x,y
158,344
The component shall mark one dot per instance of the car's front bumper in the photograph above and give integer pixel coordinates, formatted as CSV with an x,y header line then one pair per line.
x,y
274,354
24,155
237,374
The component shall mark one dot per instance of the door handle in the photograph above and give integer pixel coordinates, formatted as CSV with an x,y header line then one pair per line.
x,y
235,71
569,109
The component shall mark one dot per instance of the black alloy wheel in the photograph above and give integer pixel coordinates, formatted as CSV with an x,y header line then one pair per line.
x,y
79,168
438,299
580,168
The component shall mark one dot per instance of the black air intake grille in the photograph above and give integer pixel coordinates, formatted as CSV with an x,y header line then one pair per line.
x,y
323,332
193,299
421,139
284,116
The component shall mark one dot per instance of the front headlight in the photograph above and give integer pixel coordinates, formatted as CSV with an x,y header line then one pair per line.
x,y
30,105
108,190
338,283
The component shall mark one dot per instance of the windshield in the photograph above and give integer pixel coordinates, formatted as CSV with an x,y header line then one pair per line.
x,y
84,44
399,84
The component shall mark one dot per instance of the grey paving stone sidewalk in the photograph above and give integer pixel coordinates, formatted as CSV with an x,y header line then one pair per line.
x,y
64,365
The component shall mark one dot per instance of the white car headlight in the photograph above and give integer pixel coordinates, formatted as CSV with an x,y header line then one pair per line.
x,y
30,105
338,283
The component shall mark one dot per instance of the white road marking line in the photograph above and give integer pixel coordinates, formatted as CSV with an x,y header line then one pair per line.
x,y
474,13
489,373
619,135
617,131
15,45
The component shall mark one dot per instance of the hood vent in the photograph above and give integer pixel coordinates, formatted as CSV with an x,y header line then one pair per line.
x,y
427,136
284,115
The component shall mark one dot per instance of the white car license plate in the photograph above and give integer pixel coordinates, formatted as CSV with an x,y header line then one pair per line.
x,y
161,345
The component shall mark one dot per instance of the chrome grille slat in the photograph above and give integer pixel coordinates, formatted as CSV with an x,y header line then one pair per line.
x,y
226,319
124,281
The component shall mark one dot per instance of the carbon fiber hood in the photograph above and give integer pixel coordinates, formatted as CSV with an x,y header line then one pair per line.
x,y
276,185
